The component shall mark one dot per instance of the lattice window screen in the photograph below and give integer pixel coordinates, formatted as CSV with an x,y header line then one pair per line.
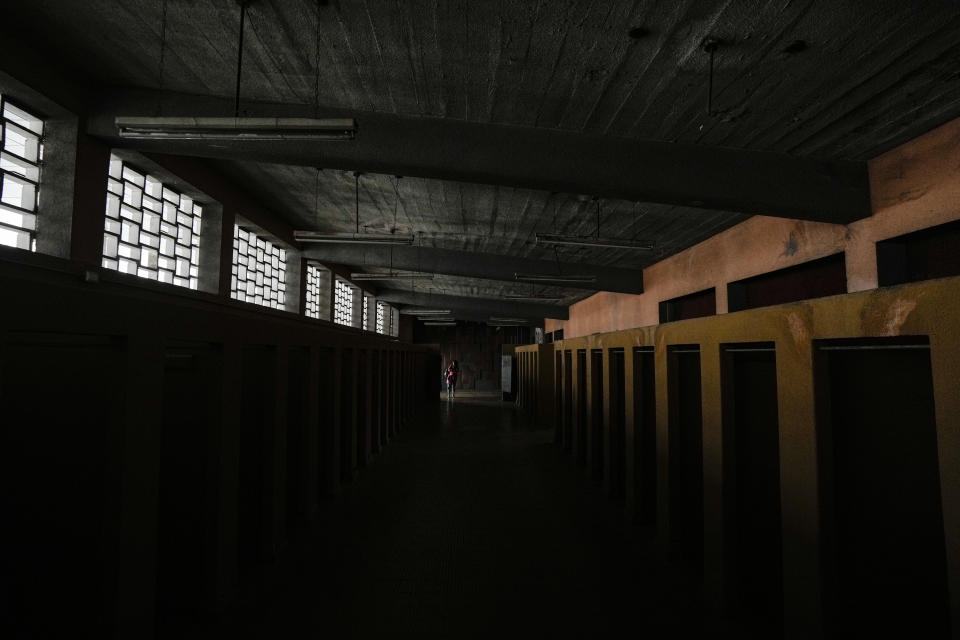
x,y
342,303
150,230
259,270
20,158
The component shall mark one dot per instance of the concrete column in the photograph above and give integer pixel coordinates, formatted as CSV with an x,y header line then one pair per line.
x,y
944,355
713,476
227,219
630,437
212,273
799,489
90,201
135,550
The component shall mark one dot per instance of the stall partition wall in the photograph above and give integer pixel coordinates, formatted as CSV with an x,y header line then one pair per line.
x,y
158,448
761,447
538,394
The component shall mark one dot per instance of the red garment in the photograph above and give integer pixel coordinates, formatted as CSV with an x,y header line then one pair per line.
x,y
452,373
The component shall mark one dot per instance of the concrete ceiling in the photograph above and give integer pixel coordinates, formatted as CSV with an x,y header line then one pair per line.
x,y
825,85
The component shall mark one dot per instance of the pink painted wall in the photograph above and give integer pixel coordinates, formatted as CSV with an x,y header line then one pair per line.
x,y
914,186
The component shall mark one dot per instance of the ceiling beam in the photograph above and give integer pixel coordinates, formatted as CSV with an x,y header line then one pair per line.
x,y
474,308
684,174
472,265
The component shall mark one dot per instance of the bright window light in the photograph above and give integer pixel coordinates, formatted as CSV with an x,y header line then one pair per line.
x,y
366,313
20,157
259,270
312,306
342,303
150,230
383,317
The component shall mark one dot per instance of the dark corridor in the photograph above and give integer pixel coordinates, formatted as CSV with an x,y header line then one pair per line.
x,y
471,524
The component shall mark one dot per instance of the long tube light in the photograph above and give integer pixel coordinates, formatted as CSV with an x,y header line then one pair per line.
x,y
352,238
447,323
557,278
391,276
424,312
180,128
539,297
586,241
510,320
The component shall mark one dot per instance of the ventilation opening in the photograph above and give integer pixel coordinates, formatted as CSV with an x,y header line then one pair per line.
x,y
922,255
813,279
696,305
881,510
751,459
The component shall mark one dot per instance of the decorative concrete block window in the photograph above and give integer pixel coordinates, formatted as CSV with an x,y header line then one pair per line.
x,y
259,270
383,317
313,304
21,155
365,322
150,230
342,303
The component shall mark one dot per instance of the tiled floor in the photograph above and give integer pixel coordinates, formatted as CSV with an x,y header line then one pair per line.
x,y
471,524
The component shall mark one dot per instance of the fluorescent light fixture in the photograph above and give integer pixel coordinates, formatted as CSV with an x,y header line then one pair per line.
x,y
437,323
391,276
506,324
352,238
510,320
540,297
179,128
558,278
586,241
424,312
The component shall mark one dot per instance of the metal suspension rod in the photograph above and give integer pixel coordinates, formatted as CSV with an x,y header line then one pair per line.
x,y
710,89
710,46
243,19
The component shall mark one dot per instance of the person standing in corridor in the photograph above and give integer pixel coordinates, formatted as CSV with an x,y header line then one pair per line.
x,y
453,372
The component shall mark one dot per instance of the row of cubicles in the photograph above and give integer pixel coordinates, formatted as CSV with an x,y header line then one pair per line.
x,y
159,450
802,460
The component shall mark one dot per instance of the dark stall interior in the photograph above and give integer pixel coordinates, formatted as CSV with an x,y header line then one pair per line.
x,y
880,487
